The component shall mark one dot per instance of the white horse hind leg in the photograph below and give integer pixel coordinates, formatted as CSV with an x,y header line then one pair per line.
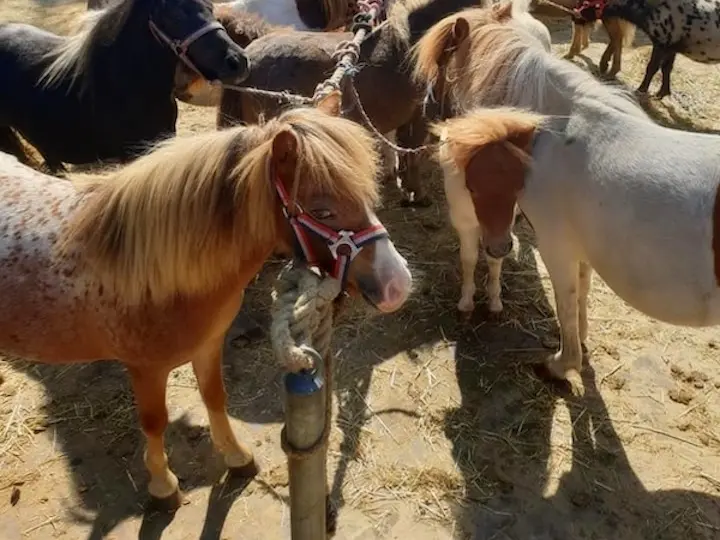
x,y
469,239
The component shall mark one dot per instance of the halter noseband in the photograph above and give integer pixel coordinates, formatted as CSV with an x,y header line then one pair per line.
x,y
180,47
344,245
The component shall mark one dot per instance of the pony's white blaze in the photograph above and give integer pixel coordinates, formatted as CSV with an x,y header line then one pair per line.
x,y
391,270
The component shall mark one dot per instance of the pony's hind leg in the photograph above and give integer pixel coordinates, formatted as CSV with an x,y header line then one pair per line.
x,y
585,39
208,373
656,59
149,386
666,68
469,240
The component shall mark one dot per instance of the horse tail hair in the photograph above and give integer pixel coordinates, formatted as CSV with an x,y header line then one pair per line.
x,y
628,32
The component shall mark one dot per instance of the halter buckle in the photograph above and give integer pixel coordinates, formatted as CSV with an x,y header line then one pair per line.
x,y
344,238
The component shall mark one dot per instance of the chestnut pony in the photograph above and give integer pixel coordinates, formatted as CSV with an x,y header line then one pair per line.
x,y
149,264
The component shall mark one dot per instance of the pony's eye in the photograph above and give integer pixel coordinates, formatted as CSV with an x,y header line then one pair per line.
x,y
322,214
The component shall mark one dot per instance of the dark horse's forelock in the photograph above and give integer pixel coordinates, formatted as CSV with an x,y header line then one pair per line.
x,y
72,60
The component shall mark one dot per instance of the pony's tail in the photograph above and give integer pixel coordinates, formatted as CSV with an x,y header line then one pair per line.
x,y
628,32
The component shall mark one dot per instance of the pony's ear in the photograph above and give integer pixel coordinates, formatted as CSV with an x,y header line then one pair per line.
x,y
502,11
285,153
331,103
460,31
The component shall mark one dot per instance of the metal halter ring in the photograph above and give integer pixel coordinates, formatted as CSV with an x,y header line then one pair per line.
x,y
345,238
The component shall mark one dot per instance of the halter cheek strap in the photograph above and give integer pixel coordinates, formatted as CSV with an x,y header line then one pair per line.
x,y
344,245
180,47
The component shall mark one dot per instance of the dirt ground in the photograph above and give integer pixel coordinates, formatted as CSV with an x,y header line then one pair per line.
x,y
442,428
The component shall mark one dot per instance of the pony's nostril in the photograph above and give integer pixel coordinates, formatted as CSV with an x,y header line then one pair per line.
x,y
232,62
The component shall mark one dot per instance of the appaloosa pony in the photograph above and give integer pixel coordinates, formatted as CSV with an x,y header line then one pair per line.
x,y
149,264
648,223
107,91
298,61
688,27
465,62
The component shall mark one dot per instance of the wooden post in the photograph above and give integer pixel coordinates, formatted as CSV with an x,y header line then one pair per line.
x,y
305,417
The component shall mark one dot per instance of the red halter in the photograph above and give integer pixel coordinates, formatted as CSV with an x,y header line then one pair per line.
x,y
180,47
597,5
343,245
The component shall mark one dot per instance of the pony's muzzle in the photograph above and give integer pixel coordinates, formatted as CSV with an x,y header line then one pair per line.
x,y
396,282
499,249
237,67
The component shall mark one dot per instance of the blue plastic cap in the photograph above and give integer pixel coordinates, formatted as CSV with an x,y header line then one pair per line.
x,y
304,382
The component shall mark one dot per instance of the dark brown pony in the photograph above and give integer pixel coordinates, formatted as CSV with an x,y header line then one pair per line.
x,y
297,61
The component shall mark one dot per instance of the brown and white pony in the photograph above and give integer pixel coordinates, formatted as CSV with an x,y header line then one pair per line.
x,y
465,61
587,184
148,265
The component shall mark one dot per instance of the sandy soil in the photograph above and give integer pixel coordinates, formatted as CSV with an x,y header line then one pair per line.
x,y
441,429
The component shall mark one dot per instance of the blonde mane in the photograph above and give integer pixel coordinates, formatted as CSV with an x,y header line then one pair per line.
x,y
502,64
464,136
73,56
189,214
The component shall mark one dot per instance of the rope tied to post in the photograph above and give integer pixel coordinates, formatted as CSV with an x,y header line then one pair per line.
x,y
303,310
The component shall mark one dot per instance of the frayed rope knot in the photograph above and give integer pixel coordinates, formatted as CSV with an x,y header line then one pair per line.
x,y
303,310
302,315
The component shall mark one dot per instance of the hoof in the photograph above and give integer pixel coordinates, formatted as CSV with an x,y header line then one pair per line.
x,y
251,470
168,504
495,316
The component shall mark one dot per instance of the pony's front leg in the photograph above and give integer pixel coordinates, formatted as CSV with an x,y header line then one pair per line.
x,y
390,158
208,372
149,386
493,284
564,270
469,239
